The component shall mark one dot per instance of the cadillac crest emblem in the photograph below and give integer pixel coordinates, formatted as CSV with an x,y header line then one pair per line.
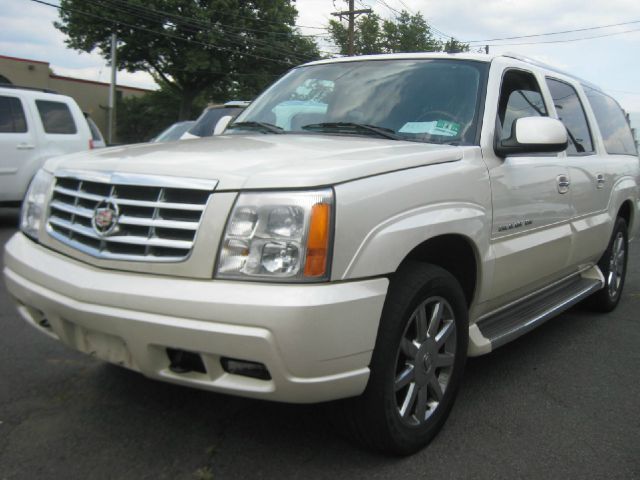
x,y
105,218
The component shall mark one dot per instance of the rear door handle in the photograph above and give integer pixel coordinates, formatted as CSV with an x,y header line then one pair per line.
x,y
25,146
600,181
563,184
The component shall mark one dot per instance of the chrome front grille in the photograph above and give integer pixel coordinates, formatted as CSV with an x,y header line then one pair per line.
x,y
153,218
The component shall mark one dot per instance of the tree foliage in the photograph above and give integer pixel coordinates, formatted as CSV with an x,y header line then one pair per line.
x,y
223,48
405,33
142,118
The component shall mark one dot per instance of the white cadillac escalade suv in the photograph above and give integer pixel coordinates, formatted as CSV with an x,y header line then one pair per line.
x,y
363,227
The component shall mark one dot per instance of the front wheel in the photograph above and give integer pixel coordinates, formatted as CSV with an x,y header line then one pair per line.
x,y
418,361
613,266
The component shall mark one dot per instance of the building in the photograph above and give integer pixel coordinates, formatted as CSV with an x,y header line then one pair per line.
x,y
93,97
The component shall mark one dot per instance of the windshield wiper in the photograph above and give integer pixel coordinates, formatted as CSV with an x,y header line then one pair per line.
x,y
349,127
268,127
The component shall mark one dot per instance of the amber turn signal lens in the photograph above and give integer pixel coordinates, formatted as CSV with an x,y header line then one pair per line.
x,y
318,241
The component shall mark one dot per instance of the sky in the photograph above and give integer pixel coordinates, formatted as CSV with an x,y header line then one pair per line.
x,y
612,62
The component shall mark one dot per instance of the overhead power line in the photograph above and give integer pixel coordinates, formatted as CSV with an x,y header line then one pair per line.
x,y
168,35
553,33
196,26
164,15
566,40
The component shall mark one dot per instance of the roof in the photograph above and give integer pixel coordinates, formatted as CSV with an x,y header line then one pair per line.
x,y
71,79
93,82
17,59
477,57
32,92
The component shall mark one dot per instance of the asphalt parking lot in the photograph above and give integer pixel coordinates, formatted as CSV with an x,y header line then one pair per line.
x,y
561,402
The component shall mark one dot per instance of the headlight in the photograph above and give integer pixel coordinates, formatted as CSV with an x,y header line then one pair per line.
x,y
282,236
34,204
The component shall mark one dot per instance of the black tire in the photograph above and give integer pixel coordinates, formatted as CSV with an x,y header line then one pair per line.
x,y
375,418
607,299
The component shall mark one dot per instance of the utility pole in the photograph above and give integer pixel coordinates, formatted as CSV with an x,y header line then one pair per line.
x,y
111,126
351,15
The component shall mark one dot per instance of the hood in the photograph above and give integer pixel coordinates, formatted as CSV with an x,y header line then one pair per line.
x,y
263,161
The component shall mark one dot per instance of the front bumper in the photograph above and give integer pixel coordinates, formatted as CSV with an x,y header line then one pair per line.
x,y
315,340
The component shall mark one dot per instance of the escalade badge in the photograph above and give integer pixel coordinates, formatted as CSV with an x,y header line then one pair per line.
x,y
105,218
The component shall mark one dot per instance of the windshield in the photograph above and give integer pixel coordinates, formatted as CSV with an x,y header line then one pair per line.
x,y
434,101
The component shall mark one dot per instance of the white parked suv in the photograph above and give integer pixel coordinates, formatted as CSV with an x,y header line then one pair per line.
x,y
418,209
35,125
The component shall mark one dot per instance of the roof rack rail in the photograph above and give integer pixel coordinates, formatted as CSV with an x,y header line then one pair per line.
x,y
19,87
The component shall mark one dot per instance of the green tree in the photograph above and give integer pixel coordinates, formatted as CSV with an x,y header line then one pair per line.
x,y
142,118
217,47
409,33
405,33
454,46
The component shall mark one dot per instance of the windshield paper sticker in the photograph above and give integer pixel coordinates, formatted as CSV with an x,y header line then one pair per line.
x,y
439,127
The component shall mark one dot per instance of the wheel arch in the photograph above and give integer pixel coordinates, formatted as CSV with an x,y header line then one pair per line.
x,y
627,212
455,253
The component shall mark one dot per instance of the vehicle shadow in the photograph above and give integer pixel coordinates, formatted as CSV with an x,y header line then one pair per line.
x,y
234,437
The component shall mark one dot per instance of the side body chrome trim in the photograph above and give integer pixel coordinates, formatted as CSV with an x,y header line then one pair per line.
x,y
512,322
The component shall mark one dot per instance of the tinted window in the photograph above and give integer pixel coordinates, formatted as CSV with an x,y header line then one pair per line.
x,y
519,97
56,117
96,135
12,118
614,128
572,114
209,119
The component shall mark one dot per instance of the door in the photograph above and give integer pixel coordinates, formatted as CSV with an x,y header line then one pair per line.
x,y
17,144
590,177
531,234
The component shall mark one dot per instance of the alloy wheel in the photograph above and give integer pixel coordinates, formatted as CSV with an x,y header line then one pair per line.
x,y
424,362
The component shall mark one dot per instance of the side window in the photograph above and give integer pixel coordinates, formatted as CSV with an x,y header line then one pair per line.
x,y
12,119
520,97
615,130
572,114
56,117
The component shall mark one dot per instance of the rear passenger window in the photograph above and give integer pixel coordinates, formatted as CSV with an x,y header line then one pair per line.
x,y
56,117
615,130
520,97
12,119
572,114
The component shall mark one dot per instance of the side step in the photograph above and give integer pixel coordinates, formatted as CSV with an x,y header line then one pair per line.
x,y
510,323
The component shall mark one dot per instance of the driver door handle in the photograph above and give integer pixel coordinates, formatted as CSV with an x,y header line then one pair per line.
x,y
25,146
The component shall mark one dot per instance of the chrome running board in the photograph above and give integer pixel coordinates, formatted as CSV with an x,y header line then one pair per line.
x,y
509,324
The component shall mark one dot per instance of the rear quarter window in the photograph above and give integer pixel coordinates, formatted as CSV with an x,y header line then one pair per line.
x,y
612,122
12,119
56,117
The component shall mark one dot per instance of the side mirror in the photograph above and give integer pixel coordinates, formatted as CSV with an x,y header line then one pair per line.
x,y
534,135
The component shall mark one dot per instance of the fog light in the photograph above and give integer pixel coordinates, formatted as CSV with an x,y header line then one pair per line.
x,y
245,368
185,362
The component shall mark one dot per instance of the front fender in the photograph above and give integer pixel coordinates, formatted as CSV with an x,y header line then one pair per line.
x,y
388,243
